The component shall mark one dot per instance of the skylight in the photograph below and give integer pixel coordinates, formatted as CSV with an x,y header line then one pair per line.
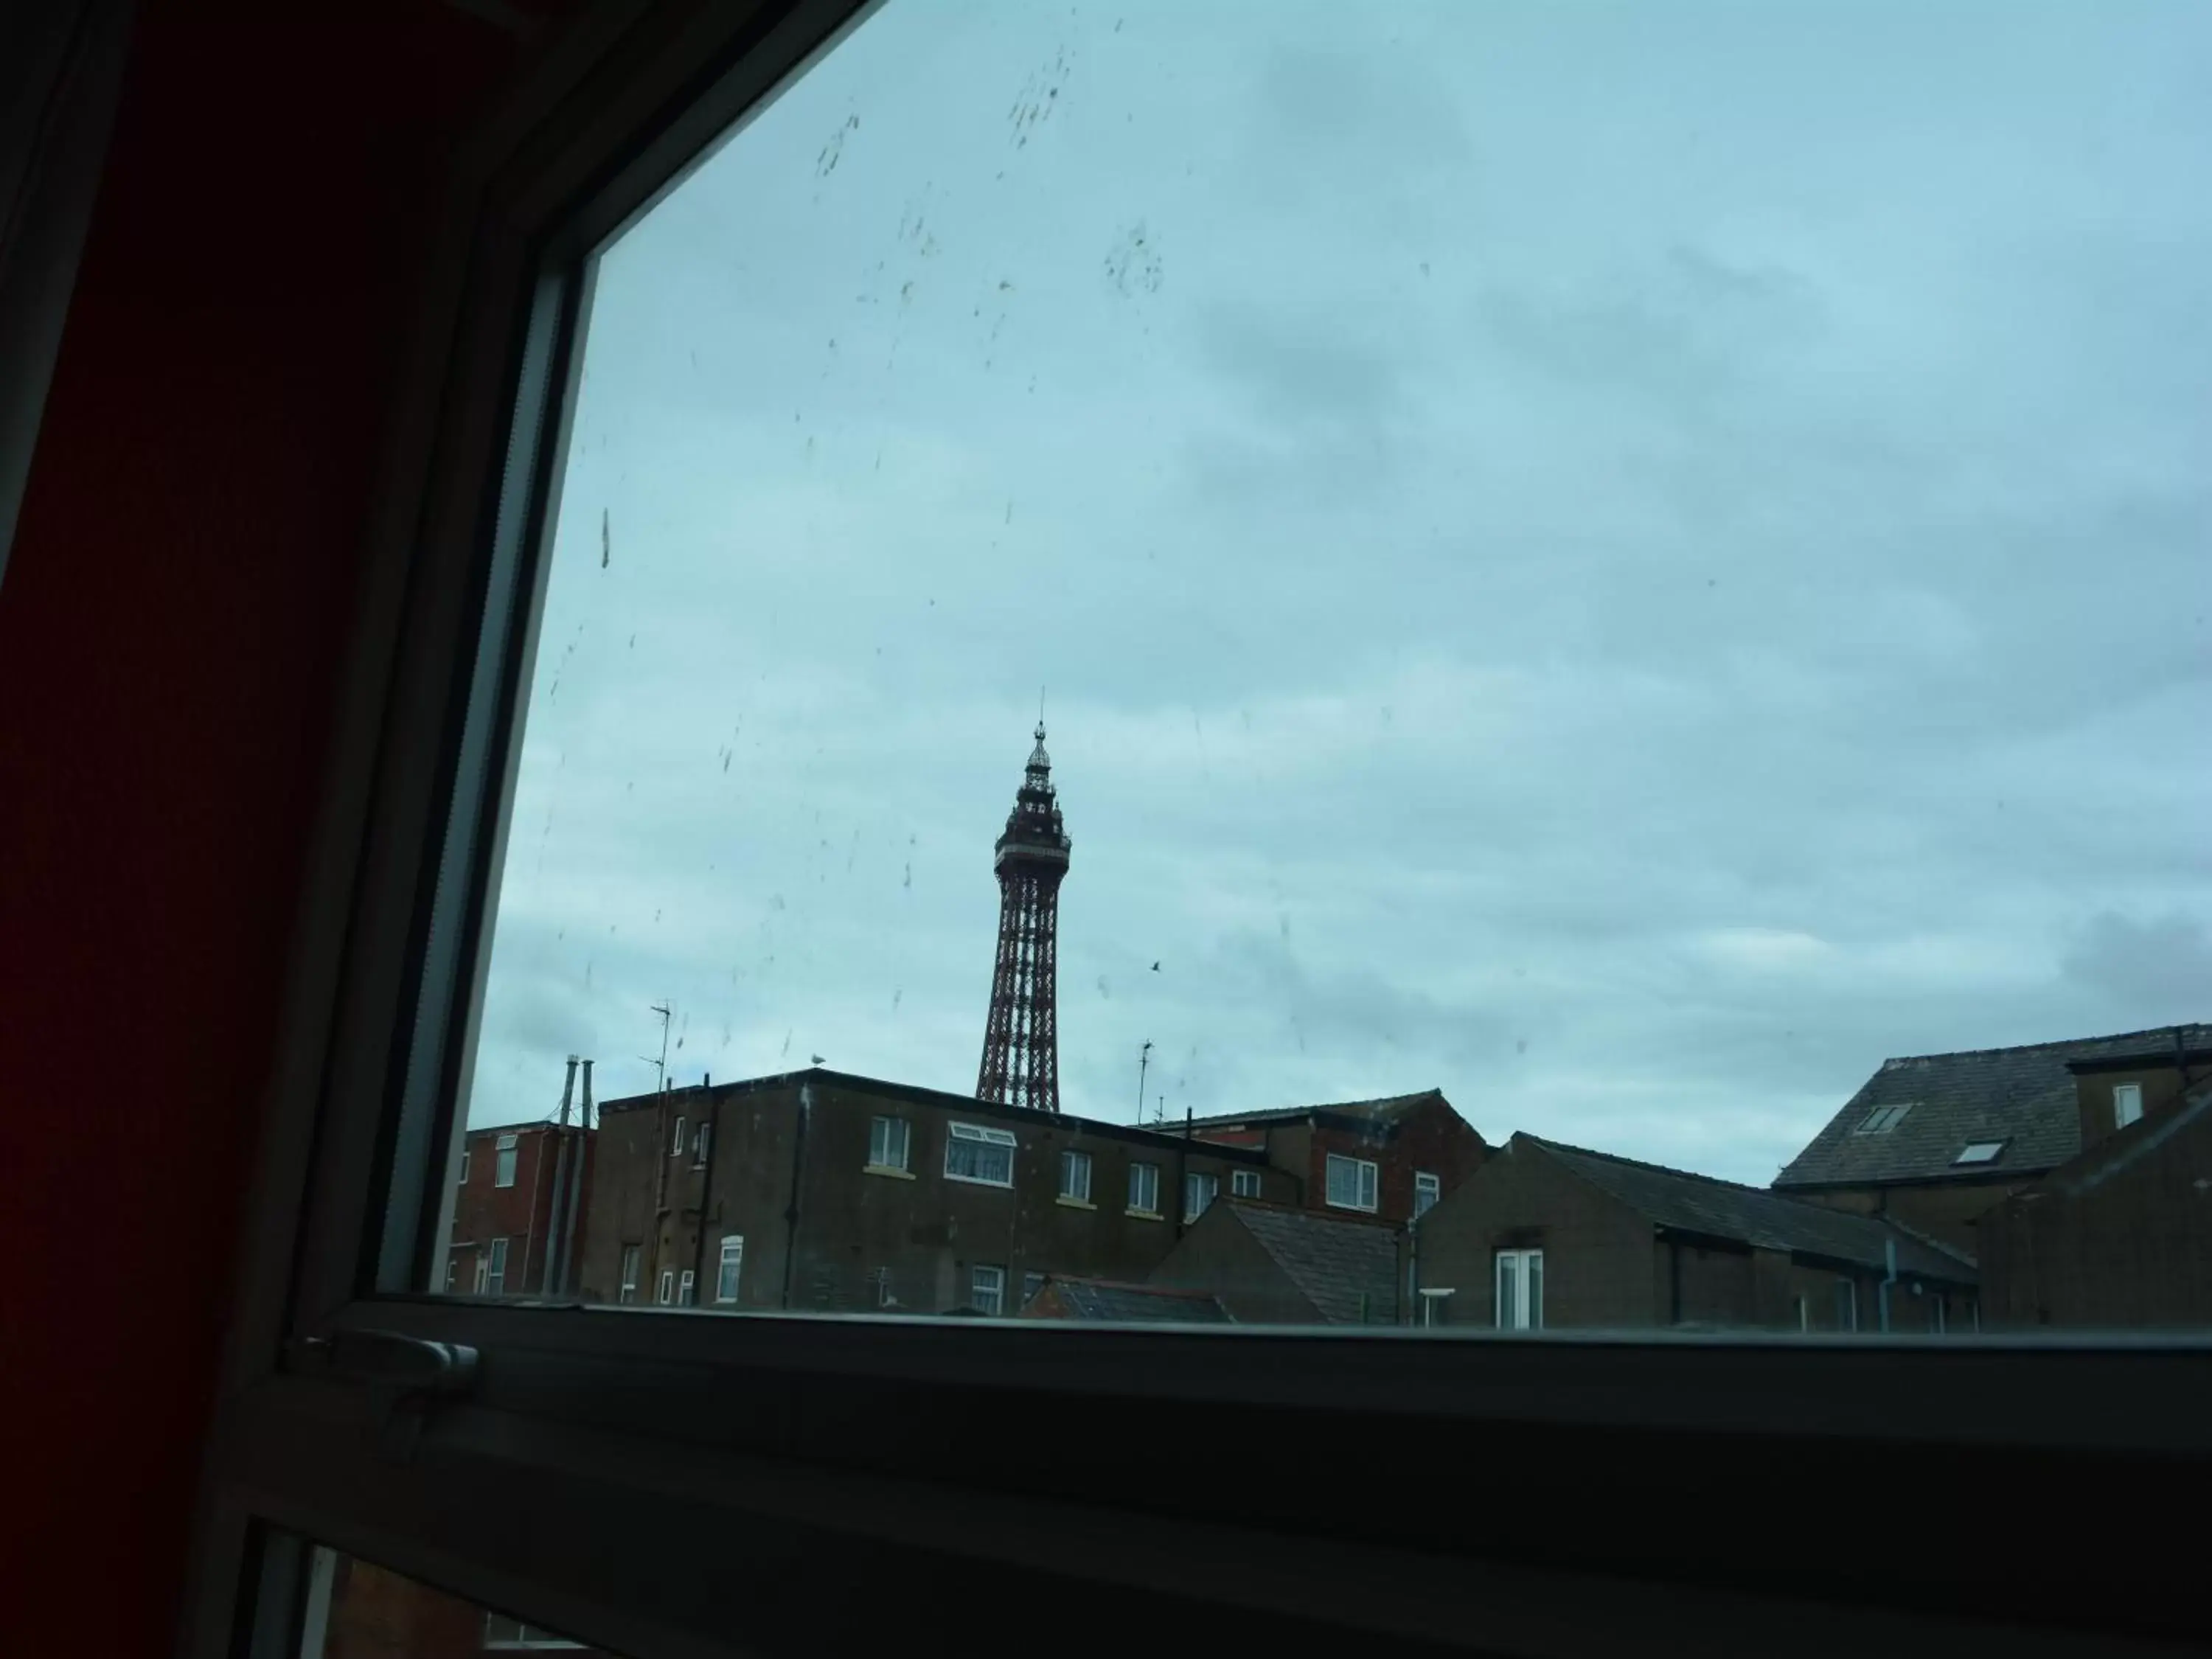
x,y
1980,1151
1883,1119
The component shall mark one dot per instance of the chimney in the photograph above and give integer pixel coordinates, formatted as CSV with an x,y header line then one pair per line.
x,y
586,1118
567,1091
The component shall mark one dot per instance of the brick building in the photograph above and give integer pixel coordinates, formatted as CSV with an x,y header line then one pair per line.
x,y
2120,1236
1936,1140
522,1190
1390,1158
1278,1264
1551,1236
815,1189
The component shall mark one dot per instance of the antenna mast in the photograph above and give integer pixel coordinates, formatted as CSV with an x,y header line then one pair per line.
x,y
660,1065
1144,1059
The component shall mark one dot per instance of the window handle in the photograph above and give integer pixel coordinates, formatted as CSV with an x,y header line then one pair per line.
x,y
405,1376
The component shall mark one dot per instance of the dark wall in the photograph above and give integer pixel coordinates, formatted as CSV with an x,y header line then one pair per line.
x,y
1602,1266
1220,1256
525,1214
1431,1138
175,606
1945,1209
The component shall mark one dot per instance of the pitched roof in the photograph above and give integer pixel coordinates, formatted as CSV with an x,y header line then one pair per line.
x,y
1062,1298
1766,1220
2122,1149
1348,1269
2024,1097
1388,1110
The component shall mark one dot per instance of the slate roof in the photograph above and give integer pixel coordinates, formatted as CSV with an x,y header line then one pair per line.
x,y
1334,1263
2024,1097
1062,1298
2122,1149
1699,1204
1388,1110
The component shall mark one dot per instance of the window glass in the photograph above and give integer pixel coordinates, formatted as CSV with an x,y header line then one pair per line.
x,y
1448,601
495,1268
732,1260
504,1158
631,1254
1198,1192
986,1289
356,1609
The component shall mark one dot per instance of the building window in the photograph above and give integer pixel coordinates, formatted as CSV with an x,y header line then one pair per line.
x,y
496,1269
453,1272
881,1278
1145,1188
1031,1284
1244,1183
463,1180
1350,1183
501,1633
1199,1191
629,1263
685,1293
1882,1120
699,1145
2127,1103
1520,1290
974,1153
502,1171
733,1260
1980,1151
986,1289
675,1141
1847,1305
1075,1176
1427,1189
667,1286
887,1144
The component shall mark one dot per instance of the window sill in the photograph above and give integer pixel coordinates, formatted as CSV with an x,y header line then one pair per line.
x,y
1355,1209
888,1170
1065,1202
1143,1215
977,1180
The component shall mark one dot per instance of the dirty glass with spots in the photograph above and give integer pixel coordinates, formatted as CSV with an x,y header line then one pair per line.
x,y
1584,622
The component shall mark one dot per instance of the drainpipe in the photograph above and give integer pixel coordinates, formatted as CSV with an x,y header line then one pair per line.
x,y
1674,1281
550,1286
568,1263
1889,1261
537,1186
712,1110
1182,1175
798,1168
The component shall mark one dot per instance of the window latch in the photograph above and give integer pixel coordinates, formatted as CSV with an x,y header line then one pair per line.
x,y
405,1376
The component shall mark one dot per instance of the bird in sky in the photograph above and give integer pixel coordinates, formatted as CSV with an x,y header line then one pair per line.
x,y
1156,967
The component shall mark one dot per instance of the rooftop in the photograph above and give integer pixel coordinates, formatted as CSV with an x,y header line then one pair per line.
x,y
1387,1110
1348,1269
2023,1097
1688,1203
1064,1297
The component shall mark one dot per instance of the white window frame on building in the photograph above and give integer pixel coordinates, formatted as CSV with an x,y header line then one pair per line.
x,y
496,1256
2127,1104
1199,1189
675,1139
729,1267
986,1288
979,1147
700,1143
507,1155
1518,1289
1143,1188
1074,1176
1428,1192
889,1142
632,1260
1351,1183
666,1297
462,1180
1244,1183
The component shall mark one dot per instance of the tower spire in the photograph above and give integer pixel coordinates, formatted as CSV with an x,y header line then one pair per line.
x,y
1021,1038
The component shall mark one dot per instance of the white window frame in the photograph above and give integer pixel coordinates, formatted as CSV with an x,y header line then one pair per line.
x,y
1524,1269
1244,1183
986,1279
666,1297
633,1258
884,1131
1364,1179
506,1160
1428,1192
1146,1175
675,1140
495,1255
980,1135
1074,1175
687,1289
2127,1104
729,1268
462,1180
1199,1189
700,1142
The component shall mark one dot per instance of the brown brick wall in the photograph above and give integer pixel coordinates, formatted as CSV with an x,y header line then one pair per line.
x,y
523,1214
1600,1261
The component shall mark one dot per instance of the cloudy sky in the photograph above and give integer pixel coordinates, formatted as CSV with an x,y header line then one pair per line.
x,y
1627,562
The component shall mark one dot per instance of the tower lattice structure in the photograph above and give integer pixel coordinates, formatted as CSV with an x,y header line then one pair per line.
x,y
1021,1039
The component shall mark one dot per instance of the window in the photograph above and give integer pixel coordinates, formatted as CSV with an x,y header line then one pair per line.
x,y
464,1179
453,1272
1145,1188
1847,1305
685,1296
1882,1119
986,1289
500,1632
667,1287
880,1279
1350,1183
1075,1176
1031,1284
1979,1151
974,1153
699,1145
495,1268
2127,1103
1244,1183
1198,1191
1520,1290
503,1160
675,1140
887,1143
725,1277
627,1290
1427,1188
